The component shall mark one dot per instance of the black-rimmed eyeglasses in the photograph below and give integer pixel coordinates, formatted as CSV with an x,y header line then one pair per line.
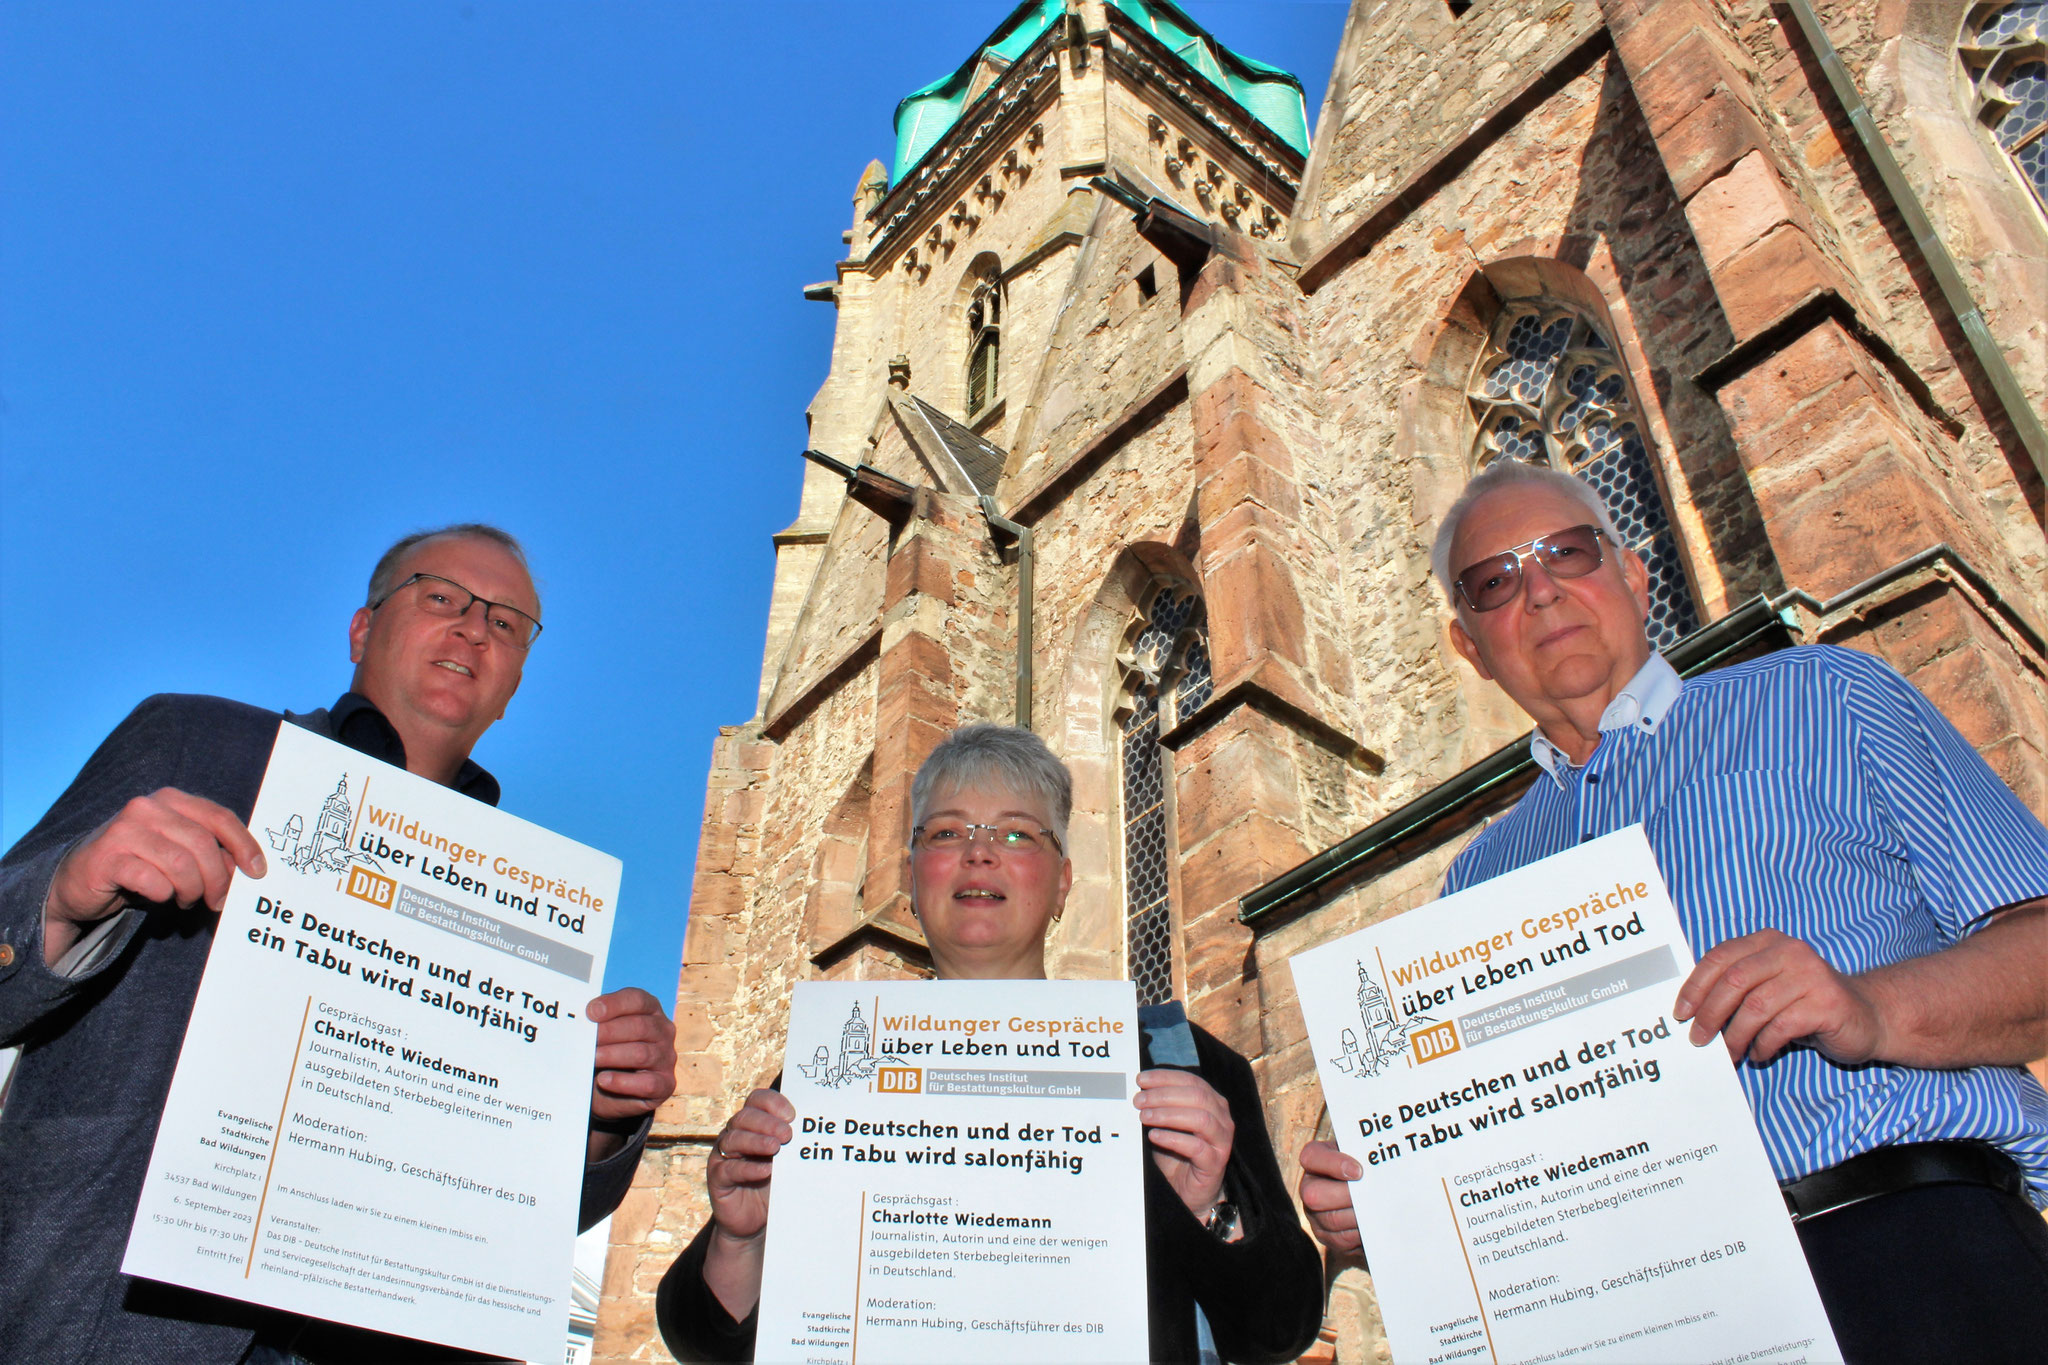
x,y
444,597
1496,580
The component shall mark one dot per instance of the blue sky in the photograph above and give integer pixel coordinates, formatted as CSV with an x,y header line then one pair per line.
x,y
279,283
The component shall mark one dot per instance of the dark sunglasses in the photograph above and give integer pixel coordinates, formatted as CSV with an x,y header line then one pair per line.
x,y
1496,580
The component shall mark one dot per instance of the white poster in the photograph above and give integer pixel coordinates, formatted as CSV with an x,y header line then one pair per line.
x,y
380,1111
964,1183
1552,1172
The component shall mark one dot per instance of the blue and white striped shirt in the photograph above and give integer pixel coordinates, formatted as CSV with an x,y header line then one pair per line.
x,y
1815,792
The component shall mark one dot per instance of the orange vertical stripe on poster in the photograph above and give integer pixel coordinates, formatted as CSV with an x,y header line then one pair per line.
x,y
1409,1060
362,802
276,1137
860,1262
1474,1279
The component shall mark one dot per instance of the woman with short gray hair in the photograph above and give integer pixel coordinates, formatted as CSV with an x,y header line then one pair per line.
x,y
1230,1271
996,755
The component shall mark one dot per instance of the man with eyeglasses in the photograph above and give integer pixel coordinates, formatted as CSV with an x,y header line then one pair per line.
x,y
1868,900
106,916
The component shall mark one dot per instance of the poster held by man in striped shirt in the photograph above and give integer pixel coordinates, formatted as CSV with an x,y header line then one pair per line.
x,y
1549,1170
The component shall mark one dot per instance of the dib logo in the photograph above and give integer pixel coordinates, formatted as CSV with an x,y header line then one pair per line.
x,y
373,887
1438,1040
899,1080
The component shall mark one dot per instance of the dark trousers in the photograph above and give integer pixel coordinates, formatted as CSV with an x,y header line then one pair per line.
x,y
1940,1273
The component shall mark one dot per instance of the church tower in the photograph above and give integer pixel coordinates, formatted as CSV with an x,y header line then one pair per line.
x,y
998,247
963,250
855,1054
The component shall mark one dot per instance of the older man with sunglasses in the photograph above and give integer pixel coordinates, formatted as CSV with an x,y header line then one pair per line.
x,y
106,916
1867,899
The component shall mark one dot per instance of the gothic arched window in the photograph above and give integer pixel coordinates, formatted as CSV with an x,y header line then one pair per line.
x,y
2005,49
984,344
1548,388
1166,664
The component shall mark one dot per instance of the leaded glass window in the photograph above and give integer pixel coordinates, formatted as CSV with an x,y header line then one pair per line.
x,y
2005,49
984,345
1549,389
1166,663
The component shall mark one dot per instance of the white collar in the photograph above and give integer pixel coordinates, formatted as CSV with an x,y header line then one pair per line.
x,y
1643,704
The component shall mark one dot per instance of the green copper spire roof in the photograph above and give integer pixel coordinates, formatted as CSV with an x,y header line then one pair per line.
x,y
1273,96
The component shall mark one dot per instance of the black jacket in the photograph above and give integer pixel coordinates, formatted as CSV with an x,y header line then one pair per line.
x,y
1263,1294
98,1052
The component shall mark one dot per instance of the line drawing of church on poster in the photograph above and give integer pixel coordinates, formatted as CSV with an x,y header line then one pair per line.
x,y
856,1056
327,849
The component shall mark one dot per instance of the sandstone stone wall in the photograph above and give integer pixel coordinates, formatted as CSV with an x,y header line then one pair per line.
x,y
1991,473
1411,82
1280,421
1903,56
1601,231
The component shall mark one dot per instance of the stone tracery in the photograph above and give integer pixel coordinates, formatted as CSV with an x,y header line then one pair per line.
x,y
2004,48
1167,679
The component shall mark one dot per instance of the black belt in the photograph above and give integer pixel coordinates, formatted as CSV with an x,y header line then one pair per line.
x,y
1888,1170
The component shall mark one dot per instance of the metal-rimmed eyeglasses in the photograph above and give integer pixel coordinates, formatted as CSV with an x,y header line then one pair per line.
x,y
444,597
1005,836
1496,580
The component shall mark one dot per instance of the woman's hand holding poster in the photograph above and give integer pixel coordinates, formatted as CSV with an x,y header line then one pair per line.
x,y
964,1182
1552,1171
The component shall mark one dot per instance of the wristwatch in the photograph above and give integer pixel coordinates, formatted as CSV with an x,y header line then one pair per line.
x,y
1222,1219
